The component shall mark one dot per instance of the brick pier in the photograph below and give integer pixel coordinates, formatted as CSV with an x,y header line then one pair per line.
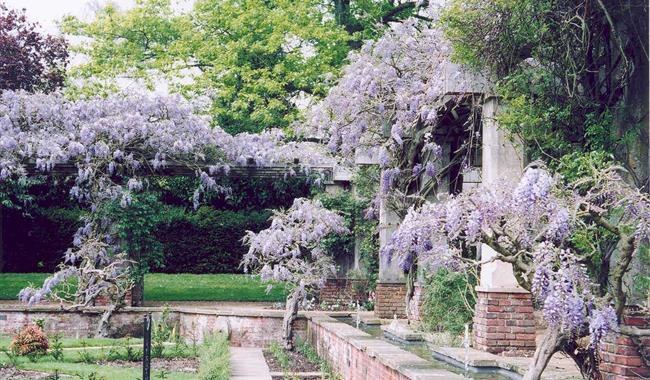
x,y
390,300
504,322
621,354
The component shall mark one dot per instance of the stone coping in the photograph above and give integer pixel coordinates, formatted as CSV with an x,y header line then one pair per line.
x,y
559,368
393,357
484,289
635,331
227,311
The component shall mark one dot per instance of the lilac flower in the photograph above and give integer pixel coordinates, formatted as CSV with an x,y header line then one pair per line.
x,y
601,323
559,228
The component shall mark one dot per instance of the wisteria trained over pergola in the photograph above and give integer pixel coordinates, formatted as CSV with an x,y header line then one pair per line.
x,y
389,102
115,143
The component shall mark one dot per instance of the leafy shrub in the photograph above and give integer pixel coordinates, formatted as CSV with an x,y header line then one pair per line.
x,y
56,348
38,240
214,359
448,301
162,331
30,341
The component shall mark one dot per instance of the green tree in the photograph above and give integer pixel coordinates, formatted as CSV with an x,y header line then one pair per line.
x,y
254,58
574,75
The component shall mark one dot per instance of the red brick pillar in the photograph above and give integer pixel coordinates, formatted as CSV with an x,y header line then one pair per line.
x,y
390,300
504,322
621,354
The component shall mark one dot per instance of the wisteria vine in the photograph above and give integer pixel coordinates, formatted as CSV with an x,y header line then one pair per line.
x,y
530,225
113,144
291,251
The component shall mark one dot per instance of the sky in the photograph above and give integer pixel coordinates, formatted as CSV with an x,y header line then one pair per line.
x,y
48,12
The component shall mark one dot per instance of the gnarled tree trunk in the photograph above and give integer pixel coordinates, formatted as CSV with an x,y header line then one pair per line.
x,y
103,329
551,343
290,313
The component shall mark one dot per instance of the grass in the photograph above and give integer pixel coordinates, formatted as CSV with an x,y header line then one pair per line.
x,y
82,363
171,287
83,370
85,342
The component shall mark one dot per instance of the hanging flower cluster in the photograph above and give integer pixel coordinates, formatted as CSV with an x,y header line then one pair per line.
x,y
291,249
529,225
388,101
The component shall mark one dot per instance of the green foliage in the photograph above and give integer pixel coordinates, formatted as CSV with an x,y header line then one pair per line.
x,y
56,347
214,360
554,69
162,331
206,241
39,239
303,347
85,355
641,282
449,300
353,210
252,56
134,227
280,354
353,207
579,165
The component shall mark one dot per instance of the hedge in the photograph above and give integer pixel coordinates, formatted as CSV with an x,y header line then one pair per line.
x,y
205,241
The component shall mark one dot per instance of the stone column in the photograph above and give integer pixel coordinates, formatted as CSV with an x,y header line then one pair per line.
x,y
391,287
504,320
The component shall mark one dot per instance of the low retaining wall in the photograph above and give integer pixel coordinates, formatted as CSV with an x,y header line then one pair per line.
x,y
255,328
358,356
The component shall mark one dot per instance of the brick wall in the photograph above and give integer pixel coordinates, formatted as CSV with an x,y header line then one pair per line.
x,y
357,356
252,329
621,353
390,300
504,323
343,291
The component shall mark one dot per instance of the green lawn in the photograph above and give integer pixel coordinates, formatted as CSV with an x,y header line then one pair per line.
x,y
73,362
171,287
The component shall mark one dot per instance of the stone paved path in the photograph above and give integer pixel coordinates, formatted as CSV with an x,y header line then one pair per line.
x,y
248,364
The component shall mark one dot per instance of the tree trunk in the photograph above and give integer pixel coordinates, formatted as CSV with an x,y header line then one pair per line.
x,y
290,313
410,288
137,292
551,343
103,329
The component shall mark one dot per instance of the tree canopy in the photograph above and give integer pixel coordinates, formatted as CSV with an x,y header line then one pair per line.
x,y
29,60
254,58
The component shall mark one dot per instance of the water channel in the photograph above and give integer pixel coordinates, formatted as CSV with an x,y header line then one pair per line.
x,y
423,350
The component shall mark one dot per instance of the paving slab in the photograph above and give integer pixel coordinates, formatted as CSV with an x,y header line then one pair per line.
x,y
248,364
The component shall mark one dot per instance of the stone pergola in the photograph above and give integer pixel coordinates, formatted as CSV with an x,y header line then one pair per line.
x,y
500,299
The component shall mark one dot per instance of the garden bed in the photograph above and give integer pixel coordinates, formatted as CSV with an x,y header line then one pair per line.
x,y
302,363
175,364
19,374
